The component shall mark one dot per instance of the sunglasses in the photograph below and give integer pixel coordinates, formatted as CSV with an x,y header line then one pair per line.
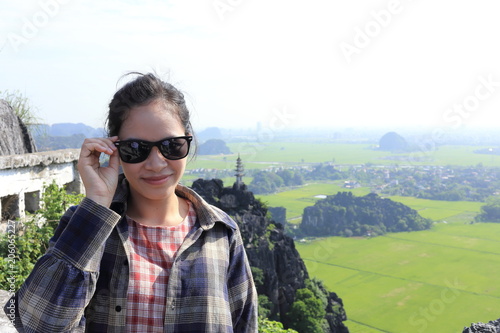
x,y
136,151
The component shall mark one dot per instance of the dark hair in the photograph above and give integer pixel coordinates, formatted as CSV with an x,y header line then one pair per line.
x,y
144,89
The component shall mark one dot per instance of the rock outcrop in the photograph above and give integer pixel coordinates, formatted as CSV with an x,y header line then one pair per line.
x,y
213,147
345,214
14,135
393,142
490,327
270,250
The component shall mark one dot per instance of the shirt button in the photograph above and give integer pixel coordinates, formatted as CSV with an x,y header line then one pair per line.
x,y
118,308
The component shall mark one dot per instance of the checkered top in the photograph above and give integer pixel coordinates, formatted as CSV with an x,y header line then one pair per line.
x,y
152,255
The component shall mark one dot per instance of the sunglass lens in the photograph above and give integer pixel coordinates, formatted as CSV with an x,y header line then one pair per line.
x,y
175,148
134,152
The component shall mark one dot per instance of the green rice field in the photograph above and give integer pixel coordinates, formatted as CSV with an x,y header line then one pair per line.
x,y
427,281
435,281
438,280
430,281
269,154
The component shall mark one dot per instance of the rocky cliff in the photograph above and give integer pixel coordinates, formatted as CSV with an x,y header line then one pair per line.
x,y
345,214
14,136
491,327
269,250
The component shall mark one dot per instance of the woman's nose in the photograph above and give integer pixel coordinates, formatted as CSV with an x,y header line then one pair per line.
x,y
155,159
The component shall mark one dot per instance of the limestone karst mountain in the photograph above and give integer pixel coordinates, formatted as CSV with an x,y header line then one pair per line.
x,y
14,135
270,251
393,142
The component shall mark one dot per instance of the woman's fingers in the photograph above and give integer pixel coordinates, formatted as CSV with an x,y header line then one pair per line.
x,y
114,160
100,182
96,146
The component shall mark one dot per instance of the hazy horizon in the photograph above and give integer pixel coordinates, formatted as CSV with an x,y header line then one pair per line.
x,y
283,64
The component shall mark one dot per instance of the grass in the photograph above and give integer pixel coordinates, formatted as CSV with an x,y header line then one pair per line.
x,y
355,327
407,285
439,210
437,280
407,282
277,153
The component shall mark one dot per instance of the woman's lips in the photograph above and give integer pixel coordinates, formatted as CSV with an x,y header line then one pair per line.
x,y
156,180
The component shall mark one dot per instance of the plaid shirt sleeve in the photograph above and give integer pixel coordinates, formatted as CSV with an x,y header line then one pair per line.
x,y
54,296
241,288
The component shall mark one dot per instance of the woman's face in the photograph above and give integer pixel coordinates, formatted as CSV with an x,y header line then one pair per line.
x,y
156,177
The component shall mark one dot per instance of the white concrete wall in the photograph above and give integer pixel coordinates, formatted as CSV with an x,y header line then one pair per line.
x,y
27,179
22,178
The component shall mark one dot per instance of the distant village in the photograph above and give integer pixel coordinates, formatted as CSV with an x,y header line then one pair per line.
x,y
436,183
428,182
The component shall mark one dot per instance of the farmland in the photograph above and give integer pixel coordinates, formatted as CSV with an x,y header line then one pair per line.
x,y
438,280
408,282
429,281
395,283
272,154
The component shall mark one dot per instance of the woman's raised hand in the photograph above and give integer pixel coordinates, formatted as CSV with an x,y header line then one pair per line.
x,y
100,182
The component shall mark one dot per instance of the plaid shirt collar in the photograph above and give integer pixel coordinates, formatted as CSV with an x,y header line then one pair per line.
x,y
205,212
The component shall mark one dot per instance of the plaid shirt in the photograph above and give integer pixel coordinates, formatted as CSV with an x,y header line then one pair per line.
x,y
81,283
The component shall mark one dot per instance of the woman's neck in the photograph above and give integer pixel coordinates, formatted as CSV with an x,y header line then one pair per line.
x,y
170,211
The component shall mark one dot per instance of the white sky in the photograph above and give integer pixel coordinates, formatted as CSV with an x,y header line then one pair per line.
x,y
283,63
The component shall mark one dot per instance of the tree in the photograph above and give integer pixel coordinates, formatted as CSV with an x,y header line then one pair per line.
x,y
325,171
491,211
291,178
264,306
267,326
265,182
307,312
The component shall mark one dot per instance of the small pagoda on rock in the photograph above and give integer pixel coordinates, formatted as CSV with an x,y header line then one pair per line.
x,y
239,185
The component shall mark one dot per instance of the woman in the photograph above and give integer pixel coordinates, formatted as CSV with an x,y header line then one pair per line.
x,y
141,253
